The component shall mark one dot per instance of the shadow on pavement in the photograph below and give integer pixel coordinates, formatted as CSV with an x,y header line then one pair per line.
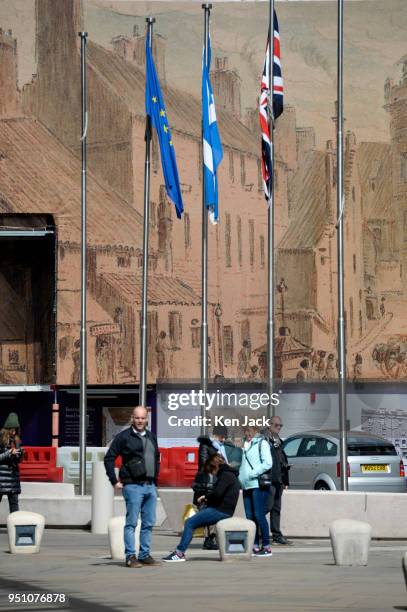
x,y
8,586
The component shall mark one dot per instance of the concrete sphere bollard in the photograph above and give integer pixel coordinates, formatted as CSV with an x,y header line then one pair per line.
x,y
235,539
116,537
102,498
350,541
25,530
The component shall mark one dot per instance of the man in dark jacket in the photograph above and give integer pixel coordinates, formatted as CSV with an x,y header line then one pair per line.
x,y
279,477
220,504
138,477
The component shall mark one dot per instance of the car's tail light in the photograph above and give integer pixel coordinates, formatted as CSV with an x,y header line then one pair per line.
x,y
338,470
402,471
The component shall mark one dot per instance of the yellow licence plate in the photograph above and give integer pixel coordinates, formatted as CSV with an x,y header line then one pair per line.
x,y
378,467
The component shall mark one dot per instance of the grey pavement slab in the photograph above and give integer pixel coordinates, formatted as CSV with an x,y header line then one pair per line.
x,y
301,577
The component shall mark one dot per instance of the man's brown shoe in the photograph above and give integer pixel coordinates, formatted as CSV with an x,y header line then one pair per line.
x,y
132,561
149,561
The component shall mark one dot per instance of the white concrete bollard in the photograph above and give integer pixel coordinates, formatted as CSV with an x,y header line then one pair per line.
x,y
25,531
102,498
404,566
350,541
116,537
235,539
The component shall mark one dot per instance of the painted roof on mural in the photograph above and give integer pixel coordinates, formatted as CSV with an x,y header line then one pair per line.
x,y
287,346
161,289
38,174
69,305
307,192
184,111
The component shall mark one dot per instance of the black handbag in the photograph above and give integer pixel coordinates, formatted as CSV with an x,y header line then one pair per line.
x,y
137,468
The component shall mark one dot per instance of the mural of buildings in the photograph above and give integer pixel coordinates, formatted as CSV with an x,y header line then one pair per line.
x,y
39,158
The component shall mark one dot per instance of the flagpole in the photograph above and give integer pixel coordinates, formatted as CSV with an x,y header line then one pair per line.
x,y
270,227
204,300
83,338
144,319
340,258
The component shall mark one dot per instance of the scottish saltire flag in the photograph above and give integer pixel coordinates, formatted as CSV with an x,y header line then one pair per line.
x,y
212,147
155,109
264,110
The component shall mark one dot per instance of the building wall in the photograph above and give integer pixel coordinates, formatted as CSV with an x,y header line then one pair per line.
x,y
9,99
396,104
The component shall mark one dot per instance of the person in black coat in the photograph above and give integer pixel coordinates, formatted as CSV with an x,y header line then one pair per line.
x,y
279,477
11,454
220,503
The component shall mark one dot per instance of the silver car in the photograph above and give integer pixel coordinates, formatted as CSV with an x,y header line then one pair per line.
x,y
373,463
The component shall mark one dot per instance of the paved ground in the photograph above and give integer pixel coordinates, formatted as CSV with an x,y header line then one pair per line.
x,y
299,578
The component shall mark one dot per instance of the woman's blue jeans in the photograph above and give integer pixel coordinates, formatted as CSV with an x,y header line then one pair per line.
x,y
207,516
255,507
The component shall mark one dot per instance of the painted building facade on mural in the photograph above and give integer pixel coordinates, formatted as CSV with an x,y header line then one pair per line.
x,y
44,117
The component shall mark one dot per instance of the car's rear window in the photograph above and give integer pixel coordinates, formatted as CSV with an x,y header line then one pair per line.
x,y
370,446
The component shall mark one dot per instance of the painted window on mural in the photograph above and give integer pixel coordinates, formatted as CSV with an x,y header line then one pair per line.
x,y
262,251
239,241
196,336
228,241
175,327
228,344
242,170
231,167
251,241
187,230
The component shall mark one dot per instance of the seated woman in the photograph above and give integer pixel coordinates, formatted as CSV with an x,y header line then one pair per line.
x,y
219,504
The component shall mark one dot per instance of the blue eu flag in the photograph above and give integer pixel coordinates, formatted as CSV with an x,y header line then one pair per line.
x,y
155,109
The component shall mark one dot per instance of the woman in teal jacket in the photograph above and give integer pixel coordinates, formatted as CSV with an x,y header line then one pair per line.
x,y
256,460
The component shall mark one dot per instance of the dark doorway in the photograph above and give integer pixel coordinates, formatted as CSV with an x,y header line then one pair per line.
x,y
27,305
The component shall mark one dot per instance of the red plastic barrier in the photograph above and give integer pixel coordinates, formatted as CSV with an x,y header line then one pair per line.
x,y
39,465
183,463
168,475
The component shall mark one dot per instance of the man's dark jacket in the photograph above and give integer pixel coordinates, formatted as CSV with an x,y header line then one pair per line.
x,y
225,494
130,446
280,469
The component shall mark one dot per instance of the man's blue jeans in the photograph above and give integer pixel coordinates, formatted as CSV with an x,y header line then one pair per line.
x,y
140,499
207,516
255,507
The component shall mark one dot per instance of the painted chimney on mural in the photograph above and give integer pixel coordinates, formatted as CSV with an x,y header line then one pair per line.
x,y
132,49
9,98
53,96
226,87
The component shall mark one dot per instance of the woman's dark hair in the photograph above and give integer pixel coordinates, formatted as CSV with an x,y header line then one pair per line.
x,y
6,439
213,462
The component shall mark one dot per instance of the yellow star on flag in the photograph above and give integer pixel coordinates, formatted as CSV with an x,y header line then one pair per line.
x,y
165,129
170,143
162,113
154,99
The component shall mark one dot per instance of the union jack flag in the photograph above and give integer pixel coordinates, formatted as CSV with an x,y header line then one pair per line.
x,y
264,107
